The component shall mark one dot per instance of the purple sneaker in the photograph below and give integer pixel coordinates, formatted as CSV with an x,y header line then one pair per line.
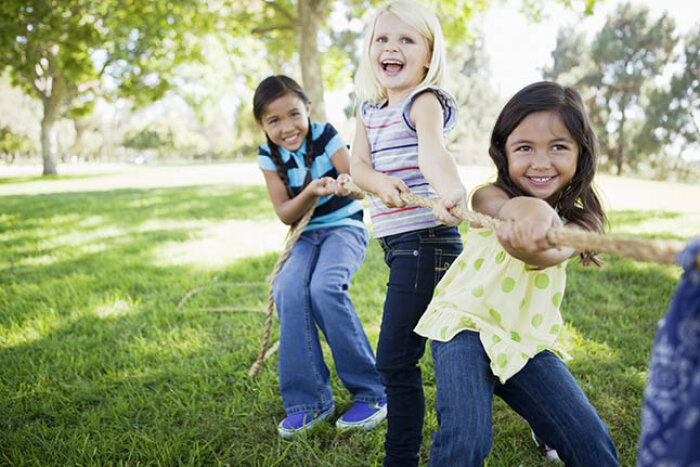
x,y
364,415
302,421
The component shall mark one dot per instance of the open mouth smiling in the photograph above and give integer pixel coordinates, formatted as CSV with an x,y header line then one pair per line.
x,y
541,180
392,66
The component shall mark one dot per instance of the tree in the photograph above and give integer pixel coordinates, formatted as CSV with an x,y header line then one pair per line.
x,y
673,112
13,144
628,53
621,64
286,27
70,51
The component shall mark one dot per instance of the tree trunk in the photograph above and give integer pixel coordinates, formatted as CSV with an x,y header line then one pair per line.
x,y
48,138
620,145
51,98
311,13
80,129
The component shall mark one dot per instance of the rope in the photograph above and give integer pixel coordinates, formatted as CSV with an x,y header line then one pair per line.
x,y
196,290
657,251
265,353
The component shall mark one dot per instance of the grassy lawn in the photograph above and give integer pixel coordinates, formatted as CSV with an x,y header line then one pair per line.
x,y
96,367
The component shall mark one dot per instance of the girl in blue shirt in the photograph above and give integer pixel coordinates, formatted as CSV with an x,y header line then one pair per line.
x,y
301,163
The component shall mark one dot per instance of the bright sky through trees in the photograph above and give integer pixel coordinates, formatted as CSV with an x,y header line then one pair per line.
x,y
519,48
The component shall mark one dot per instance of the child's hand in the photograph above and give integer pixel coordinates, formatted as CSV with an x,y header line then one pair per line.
x,y
523,232
441,211
338,188
527,236
390,190
321,186
524,235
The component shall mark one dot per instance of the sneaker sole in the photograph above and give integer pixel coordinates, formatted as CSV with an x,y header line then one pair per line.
x,y
288,433
367,424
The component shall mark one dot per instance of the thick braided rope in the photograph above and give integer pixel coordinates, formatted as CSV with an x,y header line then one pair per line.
x,y
294,235
657,251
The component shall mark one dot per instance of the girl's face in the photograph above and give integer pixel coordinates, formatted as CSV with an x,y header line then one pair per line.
x,y
399,54
542,155
286,121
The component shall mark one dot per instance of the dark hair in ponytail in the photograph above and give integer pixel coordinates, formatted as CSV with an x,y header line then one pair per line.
x,y
578,201
270,89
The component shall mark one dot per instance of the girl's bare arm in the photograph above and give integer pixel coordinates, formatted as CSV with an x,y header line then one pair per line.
x,y
435,161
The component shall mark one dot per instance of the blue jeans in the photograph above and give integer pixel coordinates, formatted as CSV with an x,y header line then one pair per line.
x,y
310,290
544,393
417,261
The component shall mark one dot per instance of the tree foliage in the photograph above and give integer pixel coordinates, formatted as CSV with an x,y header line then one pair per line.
x,y
302,30
673,112
69,52
635,113
12,144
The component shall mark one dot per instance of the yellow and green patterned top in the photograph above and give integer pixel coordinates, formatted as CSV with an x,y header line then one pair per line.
x,y
514,308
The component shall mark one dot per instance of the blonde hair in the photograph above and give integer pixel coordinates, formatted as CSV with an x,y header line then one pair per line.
x,y
367,86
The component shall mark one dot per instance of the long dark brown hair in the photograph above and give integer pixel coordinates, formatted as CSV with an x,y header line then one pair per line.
x,y
271,89
578,201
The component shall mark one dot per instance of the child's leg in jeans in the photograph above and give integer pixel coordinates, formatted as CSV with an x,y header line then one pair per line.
x,y
341,254
548,397
463,403
303,376
417,261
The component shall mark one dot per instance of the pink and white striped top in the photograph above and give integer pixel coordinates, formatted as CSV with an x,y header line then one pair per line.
x,y
394,150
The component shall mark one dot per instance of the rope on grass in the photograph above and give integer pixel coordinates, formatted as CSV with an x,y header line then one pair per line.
x,y
265,353
196,290
657,251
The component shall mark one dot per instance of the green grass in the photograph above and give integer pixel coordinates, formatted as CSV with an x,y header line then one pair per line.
x,y
96,367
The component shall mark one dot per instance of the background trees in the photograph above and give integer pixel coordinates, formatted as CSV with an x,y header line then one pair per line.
x,y
95,68
68,53
639,113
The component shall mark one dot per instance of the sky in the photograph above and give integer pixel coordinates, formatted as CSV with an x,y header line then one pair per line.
x,y
519,48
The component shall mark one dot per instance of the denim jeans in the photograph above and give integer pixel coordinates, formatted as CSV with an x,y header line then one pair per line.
x,y
310,290
417,261
544,393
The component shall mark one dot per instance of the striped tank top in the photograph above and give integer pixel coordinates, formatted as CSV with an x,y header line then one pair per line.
x,y
394,151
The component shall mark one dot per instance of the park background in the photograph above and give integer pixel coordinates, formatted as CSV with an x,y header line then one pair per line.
x,y
128,179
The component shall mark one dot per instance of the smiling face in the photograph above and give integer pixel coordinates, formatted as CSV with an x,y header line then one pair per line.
x,y
399,54
286,121
542,155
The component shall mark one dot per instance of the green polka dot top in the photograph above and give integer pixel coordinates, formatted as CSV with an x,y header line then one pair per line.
x,y
514,308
